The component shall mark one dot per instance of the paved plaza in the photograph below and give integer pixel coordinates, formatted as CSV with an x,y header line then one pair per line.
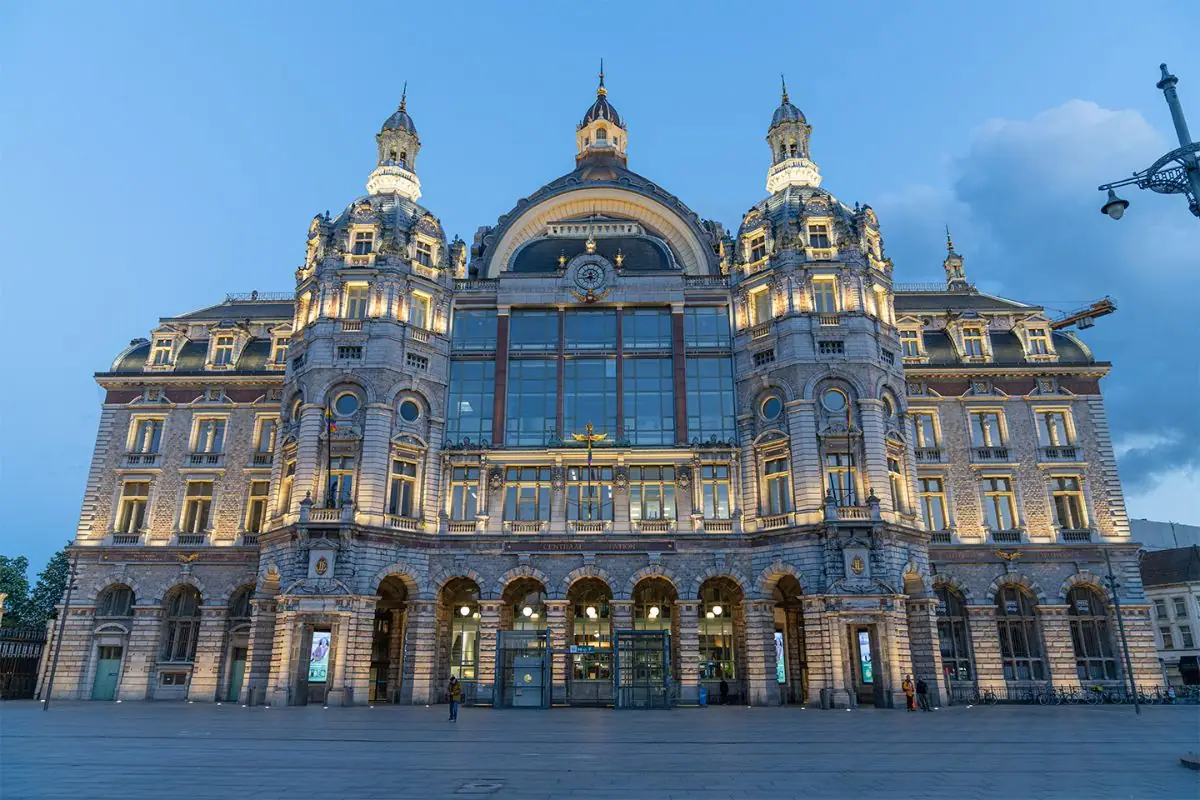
x,y
91,751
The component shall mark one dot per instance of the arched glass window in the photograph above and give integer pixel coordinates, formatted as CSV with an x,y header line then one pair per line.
x,y
528,606
717,655
601,135
239,606
652,604
116,601
592,632
1020,640
182,625
462,597
1091,635
954,635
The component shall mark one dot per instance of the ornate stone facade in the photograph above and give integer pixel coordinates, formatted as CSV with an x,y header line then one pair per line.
x,y
607,415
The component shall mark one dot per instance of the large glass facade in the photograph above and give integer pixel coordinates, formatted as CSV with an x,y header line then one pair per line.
x,y
710,399
706,327
590,395
474,330
591,330
532,409
649,402
533,330
646,329
469,401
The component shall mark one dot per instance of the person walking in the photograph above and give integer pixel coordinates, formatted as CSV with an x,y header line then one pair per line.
x,y
724,692
455,689
909,690
923,694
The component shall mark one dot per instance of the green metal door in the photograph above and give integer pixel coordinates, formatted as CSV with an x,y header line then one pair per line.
x,y
237,671
107,669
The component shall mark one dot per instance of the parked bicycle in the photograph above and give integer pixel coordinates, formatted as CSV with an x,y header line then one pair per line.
x,y
1098,695
985,697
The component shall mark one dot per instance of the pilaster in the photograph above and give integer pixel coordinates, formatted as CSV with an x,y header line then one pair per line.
x,y
556,622
925,647
144,639
689,651
1056,642
258,658
210,640
420,650
761,686
985,647
375,470
308,447
485,674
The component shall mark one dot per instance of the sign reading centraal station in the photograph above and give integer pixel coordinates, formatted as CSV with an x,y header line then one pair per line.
x,y
590,545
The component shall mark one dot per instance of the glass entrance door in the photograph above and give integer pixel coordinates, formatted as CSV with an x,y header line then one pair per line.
x,y
642,669
237,672
108,668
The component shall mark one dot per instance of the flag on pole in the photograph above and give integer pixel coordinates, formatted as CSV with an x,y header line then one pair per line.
x,y
329,420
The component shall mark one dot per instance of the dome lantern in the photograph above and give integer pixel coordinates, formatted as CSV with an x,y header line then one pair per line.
x,y
601,135
395,169
788,137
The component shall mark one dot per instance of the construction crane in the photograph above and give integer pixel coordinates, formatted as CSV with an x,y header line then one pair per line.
x,y
1085,317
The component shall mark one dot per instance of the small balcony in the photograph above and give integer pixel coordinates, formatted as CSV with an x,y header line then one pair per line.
x,y
352,326
1060,452
141,459
940,537
191,539
261,459
774,522
589,525
1076,534
461,526
989,454
418,335
1006,537
854,513
126,538
761,331
654,525
524,525
829,320
930,455
411,524
717,525
204,459
249,540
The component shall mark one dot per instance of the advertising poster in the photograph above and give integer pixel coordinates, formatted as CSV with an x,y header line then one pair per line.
x,y
318,660
864,657
780,668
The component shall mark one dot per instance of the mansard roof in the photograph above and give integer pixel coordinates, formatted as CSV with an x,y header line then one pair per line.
x,y
237,309
941,301
1167,567
1007,349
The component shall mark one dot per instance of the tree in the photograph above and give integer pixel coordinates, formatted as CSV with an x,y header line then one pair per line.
x,y
15,584
48,591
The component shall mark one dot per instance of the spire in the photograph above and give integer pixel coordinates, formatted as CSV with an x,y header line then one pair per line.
x,y
949,242
600,90
956,276
404,97
783,83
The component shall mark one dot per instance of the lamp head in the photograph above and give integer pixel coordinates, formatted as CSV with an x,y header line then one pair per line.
x,y
1115,206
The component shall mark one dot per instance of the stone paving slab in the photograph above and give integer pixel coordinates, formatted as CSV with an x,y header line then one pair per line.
x,y
145,750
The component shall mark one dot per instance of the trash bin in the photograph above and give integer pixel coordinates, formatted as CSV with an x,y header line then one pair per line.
x,y
703,696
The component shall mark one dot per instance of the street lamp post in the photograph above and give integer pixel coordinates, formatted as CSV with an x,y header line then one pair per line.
x,y
62,624
1113,586
1177,172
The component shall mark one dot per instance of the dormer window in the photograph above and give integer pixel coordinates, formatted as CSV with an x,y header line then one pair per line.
x,y
758,248
356,302
364,243
223,351
424,254
1039,342
910,344
160,355
818,235
279,350
601,135
973,342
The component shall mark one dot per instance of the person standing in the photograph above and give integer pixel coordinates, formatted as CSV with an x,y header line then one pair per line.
x,y
909,691
724,688
923,694
455,697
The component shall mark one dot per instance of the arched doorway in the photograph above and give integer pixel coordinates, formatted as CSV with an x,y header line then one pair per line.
x,y
237,645
721,631
589,673
387,641
647,659
181,631
524,606
522,677
790,665
458,620
114,620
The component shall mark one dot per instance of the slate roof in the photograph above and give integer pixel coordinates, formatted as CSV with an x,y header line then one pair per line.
x,y
955,301
1166,567
239,310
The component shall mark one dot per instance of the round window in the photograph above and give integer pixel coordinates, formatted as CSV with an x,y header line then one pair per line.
x,y
772,407
346,404
834,400
409,411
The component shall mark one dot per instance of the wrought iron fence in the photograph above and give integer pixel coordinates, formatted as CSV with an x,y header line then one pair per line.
x,y
20,655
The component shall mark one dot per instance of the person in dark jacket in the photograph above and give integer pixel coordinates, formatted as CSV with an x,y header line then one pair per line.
x,y
923,694
455,691
724,692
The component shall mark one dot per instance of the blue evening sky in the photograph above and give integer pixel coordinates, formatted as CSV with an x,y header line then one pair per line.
x,y
154,156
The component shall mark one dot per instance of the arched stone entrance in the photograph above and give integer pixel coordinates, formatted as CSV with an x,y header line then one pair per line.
x,y
387,642
458,622
790,653
721,639
589,637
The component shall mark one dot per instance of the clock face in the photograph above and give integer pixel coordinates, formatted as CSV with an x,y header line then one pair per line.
x,y
589,276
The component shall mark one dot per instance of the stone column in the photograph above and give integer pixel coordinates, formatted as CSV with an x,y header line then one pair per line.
x,y
1055,632
874,472
373,475
1139,633
355,661
807,481
210,646
145,638
420,653
761,686
689,651
335,687
258,657
816,650
485,674
308,456
556,622
395,654
985,647
280,683
925,647
895,650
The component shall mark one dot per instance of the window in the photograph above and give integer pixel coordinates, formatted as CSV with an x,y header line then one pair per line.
x,y
147,436
357,297
771,408
410,410
470,399
131,517
764,357
987,429
591,330
160,355
652,493
352,352
818,235
424,253
591,629
710,399
1068,503
1167,642
462,597
649,401
285,487
717,657
999,504
653,603
933,503
1039,342
953,635
340,490
973,342
279,351
1020,639
256,512
825,296
1160,609
835,401
590,395
910,344
527,493
533,330
760,306
714,491
1090,635
464,493
706,326
1053,428
758,248
197,505
827,348
601,135
117,601
474,330
926,427
778,485
402,491
418,310
589,494
896,483
182,625
1180,607
646,329
840,478
532,408
1185,637
223,351
364,243
264,438
345,404
887,356
173,678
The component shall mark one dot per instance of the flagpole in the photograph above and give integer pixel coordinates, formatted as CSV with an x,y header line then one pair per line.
x,y
329,427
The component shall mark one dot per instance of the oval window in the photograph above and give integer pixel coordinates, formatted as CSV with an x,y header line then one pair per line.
x,y
346,404
834,400
771,408
410,411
